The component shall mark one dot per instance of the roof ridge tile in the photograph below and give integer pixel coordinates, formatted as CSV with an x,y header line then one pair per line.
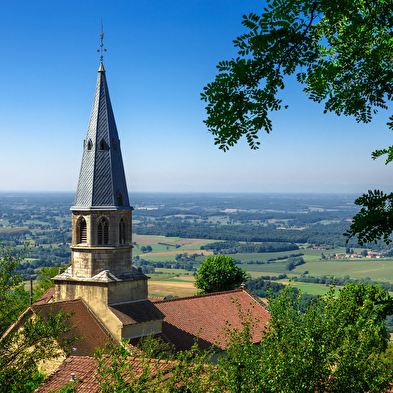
x,y
200,296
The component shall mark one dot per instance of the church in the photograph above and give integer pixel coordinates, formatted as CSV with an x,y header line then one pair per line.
x,y
107,295
101,272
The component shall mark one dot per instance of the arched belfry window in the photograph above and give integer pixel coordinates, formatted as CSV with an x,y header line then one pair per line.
x,y
119,199
82,231
103,231
102,145
122,231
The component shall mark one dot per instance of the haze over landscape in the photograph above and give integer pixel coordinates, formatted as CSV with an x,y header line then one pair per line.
x,y
160,55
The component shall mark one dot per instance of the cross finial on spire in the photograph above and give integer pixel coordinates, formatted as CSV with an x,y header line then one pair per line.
x,y
102,50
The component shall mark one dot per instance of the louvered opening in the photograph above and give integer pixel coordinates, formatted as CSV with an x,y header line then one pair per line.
x,y
122,232
99,239
103,232
82,231
106,233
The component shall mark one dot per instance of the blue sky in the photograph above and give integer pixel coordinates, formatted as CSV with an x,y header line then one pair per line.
x,y
160,55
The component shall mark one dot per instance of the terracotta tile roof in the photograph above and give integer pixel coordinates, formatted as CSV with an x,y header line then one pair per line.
x,y
136,312
83,369
46,297
204,317
90,332
154,299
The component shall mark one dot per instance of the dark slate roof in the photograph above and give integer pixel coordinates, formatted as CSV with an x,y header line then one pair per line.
x,y
136,312
101,177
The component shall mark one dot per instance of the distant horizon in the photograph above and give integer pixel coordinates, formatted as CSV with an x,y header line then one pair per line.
x,y
187,192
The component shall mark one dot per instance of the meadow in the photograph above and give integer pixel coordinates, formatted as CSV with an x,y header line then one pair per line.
x,y
176,226
179,282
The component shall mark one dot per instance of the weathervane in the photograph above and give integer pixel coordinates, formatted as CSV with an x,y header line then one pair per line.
x,y
102,50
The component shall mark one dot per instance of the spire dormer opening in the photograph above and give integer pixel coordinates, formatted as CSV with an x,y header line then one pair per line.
x,y
114,145
102,145
119,199
89,145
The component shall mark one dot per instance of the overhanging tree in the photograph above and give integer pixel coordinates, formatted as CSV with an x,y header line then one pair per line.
x,y
21,350
340,50
13,297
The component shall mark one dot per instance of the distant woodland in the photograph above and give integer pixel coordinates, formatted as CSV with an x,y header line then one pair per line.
x,y
241,223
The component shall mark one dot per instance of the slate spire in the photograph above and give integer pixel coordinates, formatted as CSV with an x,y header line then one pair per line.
x,y
102,184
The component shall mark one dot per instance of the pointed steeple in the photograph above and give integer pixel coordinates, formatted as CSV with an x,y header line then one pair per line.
x,y
102,184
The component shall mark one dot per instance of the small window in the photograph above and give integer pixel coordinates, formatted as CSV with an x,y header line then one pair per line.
x,y
114,145
82,231
122,231
103,232
119,199
89,145
102,145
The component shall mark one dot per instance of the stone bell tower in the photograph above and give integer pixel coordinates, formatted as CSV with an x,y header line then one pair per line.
x,y
101,215
102,274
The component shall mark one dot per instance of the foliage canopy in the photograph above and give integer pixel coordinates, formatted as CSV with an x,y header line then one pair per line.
x,y
334,346
13,297
21,350
340,50
219,273
337,345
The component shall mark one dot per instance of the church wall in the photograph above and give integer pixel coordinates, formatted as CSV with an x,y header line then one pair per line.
x,y
88,261
81,263
95,295
92,293
127,291
92,219
141,329
90,258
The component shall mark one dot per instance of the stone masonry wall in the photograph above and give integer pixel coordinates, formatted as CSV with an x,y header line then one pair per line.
x,y
97,296
90,258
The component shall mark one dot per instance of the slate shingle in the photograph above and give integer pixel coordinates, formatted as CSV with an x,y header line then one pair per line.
x,y
101,176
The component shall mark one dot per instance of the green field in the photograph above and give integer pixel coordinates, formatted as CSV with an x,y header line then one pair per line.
x,y
180,272
255,274
273,268
376,269
167,258
173,245
312,289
